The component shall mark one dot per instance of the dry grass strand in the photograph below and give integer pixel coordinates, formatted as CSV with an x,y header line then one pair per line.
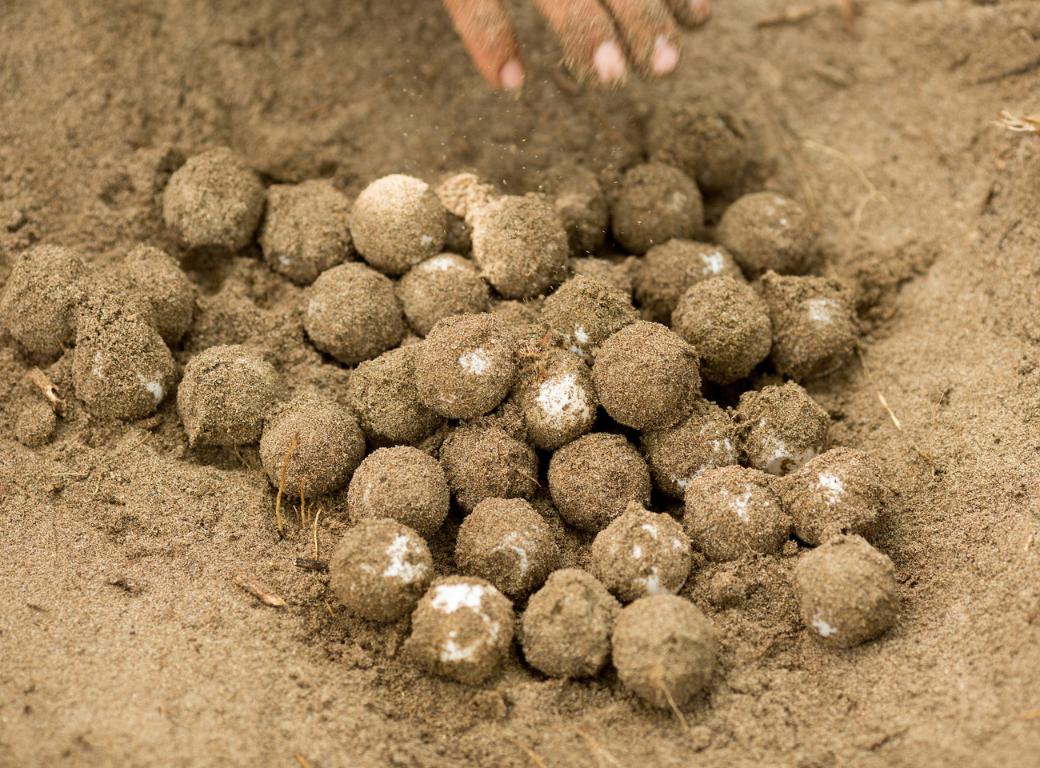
x,y
534,758
603,757
1019,123
281,487
658,680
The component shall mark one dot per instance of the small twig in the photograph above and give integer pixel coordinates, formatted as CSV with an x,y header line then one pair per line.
x,y
602,756
1023,69
1023,124
281,487
792,14
123,583
891,414
39,378
524,474
1012,228
304,762
331,612
534,758
259,591
616,137
316,516
671,702
321,566
874,386
303,505
240,457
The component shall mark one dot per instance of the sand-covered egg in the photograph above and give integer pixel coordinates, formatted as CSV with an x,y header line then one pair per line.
x,y
766,231
616,274
311,447
567,625
706,439
506,542
214,200
847,591
383,394
646,376
396,222
814,324
707,141
380,569
487,462
780,428
727,323
558,400
840,491
578,197
352,314
593,479
121,368
170,296
439,287
466,366
224,395
41,297
656,203
36,424
641,553
731,512
305,230
585,312
462,629
403,484
664,649
521,246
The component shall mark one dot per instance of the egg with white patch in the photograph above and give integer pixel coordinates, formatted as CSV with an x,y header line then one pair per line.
x,y
676,455
466,366
641,553
380,569
557,397
840,491
733,512
121,368
506,542
847,592
462,629
780,428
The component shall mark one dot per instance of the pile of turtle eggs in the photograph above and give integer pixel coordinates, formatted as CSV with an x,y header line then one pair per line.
x,y
493,354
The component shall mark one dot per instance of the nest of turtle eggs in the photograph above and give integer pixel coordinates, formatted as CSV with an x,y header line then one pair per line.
x,y
493,354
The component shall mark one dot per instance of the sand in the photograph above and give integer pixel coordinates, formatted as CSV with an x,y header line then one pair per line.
x,y
124,639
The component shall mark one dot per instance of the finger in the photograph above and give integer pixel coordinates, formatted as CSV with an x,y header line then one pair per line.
x,y
591,49
488,35
690,13
649,33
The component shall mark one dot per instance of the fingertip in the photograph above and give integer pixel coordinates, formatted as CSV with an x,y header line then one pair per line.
x,y
665,56
690,13
488,35
700,11
511,76
609,62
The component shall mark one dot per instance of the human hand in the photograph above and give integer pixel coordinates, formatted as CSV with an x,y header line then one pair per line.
x,y
601,39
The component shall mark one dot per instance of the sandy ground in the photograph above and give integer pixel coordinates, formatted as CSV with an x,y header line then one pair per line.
x,y
123,638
